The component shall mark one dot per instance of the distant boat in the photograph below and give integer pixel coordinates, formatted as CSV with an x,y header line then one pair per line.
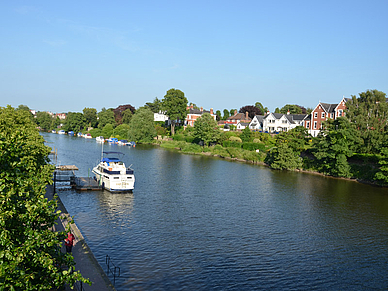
x,y
79,134
61,132
113,140
71,133
88,135
100,139
53,131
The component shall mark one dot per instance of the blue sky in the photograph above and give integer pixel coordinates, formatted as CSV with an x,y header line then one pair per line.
x,y
67,55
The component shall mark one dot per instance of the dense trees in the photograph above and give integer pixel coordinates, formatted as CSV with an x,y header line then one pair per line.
x,y
30,256
141,127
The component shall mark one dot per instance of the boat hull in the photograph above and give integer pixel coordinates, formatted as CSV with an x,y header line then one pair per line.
x,y
115,182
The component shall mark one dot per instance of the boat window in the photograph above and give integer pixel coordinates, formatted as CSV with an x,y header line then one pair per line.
x,y
129,177
116,177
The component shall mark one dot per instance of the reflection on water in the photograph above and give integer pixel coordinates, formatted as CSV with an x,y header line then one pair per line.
x,y
199,223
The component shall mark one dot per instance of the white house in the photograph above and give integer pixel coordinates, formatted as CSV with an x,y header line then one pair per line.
x,y
257,123
160,116
242,125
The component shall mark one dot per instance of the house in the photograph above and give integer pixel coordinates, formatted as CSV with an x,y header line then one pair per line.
x,y
242,125
237,118
274,122
321,113
257,123
160,116
295,120
196,113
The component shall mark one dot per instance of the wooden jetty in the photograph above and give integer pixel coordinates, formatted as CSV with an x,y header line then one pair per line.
x,y
66,173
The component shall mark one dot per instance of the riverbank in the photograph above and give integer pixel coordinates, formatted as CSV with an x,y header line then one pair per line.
x,y
256,158
85,261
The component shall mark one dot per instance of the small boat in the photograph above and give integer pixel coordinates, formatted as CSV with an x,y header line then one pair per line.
x,y
88,135
79,134
113,140
61,132
122,142
112,174
71,133
100,139
53,131
131,144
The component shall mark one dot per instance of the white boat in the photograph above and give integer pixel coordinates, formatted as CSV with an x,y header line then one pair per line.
x,y
112,174
61,132
100,139
88,135
53,131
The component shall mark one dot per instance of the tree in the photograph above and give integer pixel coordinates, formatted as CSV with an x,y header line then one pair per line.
x,y
175,105
283,157
382,174
90,115
74,121
141,127
44,120
122,131
293,109
118,112
252,110
206,129
155,106
127,116
263,109
30,256
226,114
334,145
232,111
218,115
107,130
105,116
369,113
277,110
246,134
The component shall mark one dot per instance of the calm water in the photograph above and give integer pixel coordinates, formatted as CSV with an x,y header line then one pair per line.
x,y
199,223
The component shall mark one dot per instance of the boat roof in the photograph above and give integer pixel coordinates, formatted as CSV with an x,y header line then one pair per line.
x,y
112,159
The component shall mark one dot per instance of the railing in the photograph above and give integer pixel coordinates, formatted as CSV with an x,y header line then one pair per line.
x,y
109,263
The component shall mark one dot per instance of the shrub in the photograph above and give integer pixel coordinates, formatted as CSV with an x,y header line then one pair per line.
x,y
235,139
234,144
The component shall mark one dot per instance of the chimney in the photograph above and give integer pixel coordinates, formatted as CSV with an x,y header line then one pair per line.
x,y
246,115
235,112
191,106
201,108
211,111
288,112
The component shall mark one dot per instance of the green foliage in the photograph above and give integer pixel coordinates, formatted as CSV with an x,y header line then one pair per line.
x,y
127,116
44,120
74,121
90,116
30,256
155,106
121,131
294,109
107,131
284,157
226,114
263,109
246,134
235,139
175,105
141,127
382,174
234,144
206,129
95,132
106,116
251,146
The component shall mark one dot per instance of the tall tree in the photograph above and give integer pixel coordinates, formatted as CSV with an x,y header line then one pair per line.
x,y
127,116
232,111
369,113
226,114
206,129
106,116
293,109
263,109
175,105
252,110
74,121
141,127
90,115
30,256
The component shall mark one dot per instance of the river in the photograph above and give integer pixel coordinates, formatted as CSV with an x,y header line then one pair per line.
x,y
203,223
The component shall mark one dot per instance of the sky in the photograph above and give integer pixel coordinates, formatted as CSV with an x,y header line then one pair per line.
x,y
63,56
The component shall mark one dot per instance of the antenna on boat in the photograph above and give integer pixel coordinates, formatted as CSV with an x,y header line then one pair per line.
x,y
102,150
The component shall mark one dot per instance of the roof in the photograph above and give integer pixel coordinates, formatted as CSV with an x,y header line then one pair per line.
x,y
197,111
292,118
238,116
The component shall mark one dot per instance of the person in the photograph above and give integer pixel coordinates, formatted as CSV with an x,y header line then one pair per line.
x,y
69,241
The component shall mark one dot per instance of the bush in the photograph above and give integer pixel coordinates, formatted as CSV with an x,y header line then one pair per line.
x,y
178,137
235,139
234,144
251,146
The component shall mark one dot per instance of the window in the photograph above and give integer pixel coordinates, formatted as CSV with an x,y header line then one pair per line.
x,y
331,115
284,121
323,114
315,114
340,112
308,124
315,125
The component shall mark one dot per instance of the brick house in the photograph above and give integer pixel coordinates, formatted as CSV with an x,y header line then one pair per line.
x,y
238,118
322,112
196,113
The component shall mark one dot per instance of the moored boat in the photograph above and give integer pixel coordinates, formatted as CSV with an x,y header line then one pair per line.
x,y
112,174
100,139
